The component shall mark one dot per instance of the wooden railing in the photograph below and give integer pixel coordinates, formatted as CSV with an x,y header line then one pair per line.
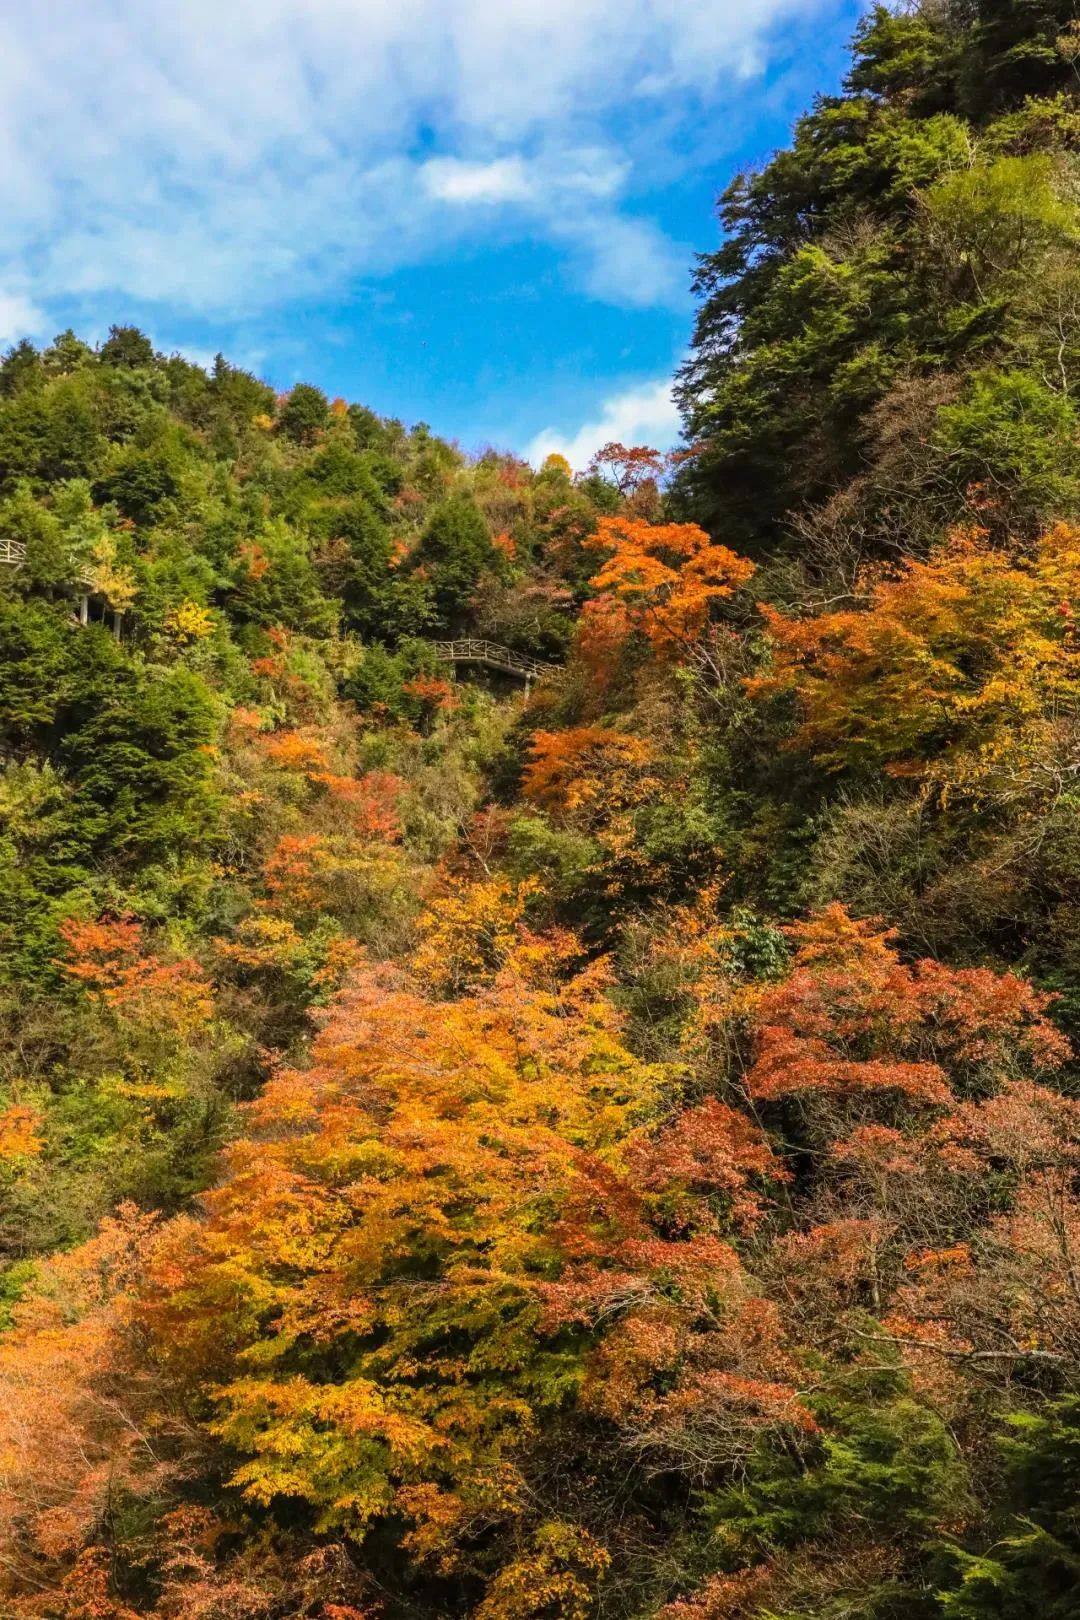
x,y
493,656
471,651
13,552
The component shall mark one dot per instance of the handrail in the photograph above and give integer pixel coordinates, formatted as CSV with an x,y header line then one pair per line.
x,y
469,651
473,651
13,552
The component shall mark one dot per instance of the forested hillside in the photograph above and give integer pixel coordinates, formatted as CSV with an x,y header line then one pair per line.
x,y
600,1146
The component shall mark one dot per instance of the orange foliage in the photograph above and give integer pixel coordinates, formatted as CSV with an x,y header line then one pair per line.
x,y
354,863
384,1294
476,1214
423,1136
371,801
19,1133
629,467
433,693
960,670
293,867
661,580
254,559
852,1020
294,751
566,768
72,1406
111,959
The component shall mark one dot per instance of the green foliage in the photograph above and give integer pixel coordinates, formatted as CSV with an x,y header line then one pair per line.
x,y
455,550
1012,435
1032,1568
126,348
304,414
34,664
137,748
894,241
883,1461
140,481
21,369
753,1305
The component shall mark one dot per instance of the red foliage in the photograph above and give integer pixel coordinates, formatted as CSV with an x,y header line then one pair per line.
x,y
852,1019
111,959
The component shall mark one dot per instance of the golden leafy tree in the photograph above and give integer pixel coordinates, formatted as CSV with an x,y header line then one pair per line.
x,y
960,670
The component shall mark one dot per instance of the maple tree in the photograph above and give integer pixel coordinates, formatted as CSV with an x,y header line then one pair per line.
x,y
75,1417
369,1172
574,768
960,670
110,958
660,579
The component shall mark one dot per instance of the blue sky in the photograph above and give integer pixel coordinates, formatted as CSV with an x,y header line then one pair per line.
x,y
480,213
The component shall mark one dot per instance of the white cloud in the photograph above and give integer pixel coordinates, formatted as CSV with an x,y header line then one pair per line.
x,y
455,181
219,159
646,414
20,318
627,261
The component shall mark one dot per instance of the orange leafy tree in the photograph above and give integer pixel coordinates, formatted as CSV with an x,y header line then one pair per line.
x,y
387,1198
462,1218
611,789
660,579
629,466
476,1232
20,1137
75,1413
111,959
913,1085
852,1021
573,769
960,670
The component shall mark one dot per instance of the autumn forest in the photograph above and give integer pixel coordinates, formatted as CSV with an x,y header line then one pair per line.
x,y
602,1145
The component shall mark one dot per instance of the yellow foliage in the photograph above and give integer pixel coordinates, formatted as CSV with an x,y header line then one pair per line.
x,y
960,671
557,1575
107,578
468,933
189,622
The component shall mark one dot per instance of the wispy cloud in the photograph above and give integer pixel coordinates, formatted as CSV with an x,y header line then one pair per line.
x,y
644,414
219,159
20,317
503,180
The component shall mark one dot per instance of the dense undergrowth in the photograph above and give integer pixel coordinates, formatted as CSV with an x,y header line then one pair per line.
x,y
604,1149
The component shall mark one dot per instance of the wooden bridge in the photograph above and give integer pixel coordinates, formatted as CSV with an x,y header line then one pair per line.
x,y
488,653
493,656
13,554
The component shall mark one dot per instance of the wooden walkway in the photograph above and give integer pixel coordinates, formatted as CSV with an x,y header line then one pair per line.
x,y
471,651
493,656
13,554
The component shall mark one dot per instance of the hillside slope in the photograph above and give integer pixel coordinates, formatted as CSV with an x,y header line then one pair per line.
x,y
601,1147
